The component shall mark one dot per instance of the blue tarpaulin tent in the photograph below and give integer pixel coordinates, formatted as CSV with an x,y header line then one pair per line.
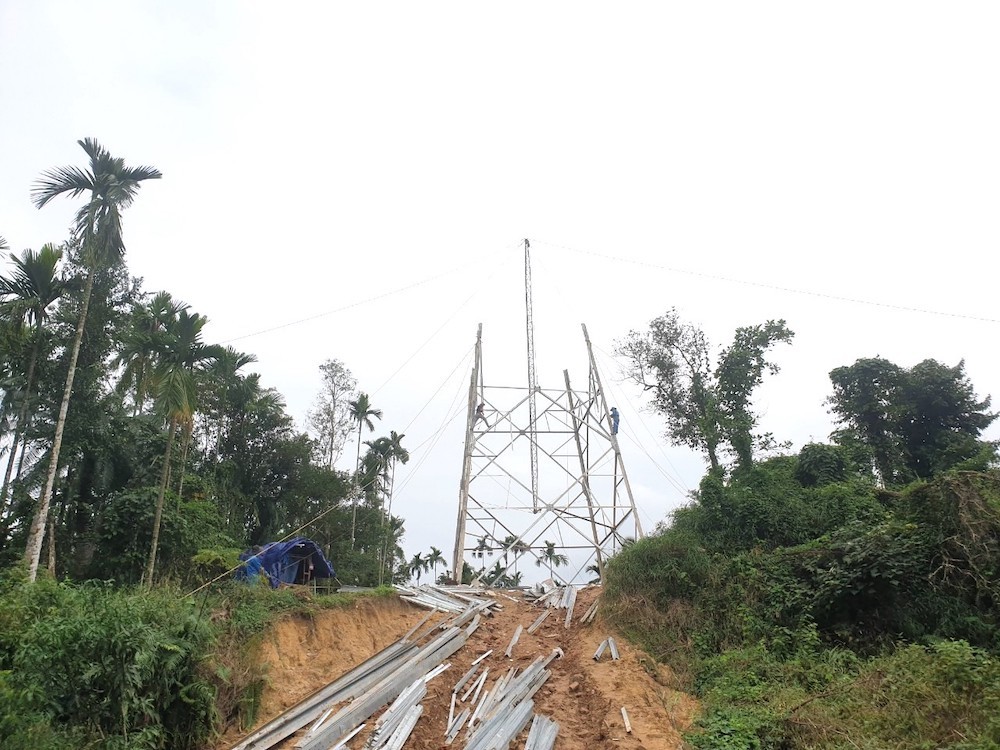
x,y
296,561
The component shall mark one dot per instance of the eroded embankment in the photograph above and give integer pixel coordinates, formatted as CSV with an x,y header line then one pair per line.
x,y
303,654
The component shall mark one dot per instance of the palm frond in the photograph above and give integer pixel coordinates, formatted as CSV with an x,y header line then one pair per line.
x,y
56,182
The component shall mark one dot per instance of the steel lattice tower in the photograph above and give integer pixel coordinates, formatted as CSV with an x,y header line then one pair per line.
x,y
570,496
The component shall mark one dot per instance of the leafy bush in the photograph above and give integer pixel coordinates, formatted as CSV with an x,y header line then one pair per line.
x,y
111,664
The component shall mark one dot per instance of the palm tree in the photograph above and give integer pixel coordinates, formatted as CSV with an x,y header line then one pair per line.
x,y
496,575
361,411
177,394
417,566
596,570
375,468
112,187
553,558
482,549
141,340
433,558
31,288
397,453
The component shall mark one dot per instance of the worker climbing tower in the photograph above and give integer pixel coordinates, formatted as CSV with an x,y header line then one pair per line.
x,y
543,481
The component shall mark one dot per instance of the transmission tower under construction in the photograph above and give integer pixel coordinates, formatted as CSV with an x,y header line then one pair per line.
x,y
567,505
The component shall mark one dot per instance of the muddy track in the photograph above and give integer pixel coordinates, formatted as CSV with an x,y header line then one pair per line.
x,y
583,695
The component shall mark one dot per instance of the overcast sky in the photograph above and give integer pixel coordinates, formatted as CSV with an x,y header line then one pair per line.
x,y
354,181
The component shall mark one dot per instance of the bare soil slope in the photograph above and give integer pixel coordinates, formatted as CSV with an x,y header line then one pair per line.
x,y
584,696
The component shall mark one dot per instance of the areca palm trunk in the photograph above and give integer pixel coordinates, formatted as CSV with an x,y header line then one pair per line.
x,y
147,578
357,482
33,550
22,422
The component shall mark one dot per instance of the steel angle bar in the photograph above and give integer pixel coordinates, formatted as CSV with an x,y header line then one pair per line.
x,y
542,735
600,650
614,648
570,605
473,626
342,743
480,658
386,690
506,680
538,623
478,683
466,677
513,641
479,709
482,682
405,728
409,697
419,625
457,725
436,671
312,706
501,730
420,601
628,724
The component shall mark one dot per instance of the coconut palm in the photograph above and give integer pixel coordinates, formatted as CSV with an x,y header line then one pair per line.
x,y
361,411
181,355
112,187
553,558
29,291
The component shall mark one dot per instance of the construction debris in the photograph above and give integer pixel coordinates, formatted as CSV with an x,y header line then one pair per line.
x,y
628,724
488,716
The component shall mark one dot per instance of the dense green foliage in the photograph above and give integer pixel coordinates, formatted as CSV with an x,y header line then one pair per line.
x,y
818,600
131,444
826,614
102,666
136,451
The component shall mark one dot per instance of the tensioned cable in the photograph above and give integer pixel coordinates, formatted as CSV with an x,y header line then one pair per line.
x,y
496,267
435,437
675,481
775,287
359,303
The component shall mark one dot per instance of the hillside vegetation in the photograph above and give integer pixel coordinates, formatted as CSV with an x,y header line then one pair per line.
x,y
844,596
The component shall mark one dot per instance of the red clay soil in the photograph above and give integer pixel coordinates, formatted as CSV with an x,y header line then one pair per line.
x,y
584,696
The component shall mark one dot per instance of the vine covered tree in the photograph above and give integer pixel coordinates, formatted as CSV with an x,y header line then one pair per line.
x,y
706,408
112,187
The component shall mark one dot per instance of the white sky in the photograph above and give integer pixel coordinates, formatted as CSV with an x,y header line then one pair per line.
x,y
320,156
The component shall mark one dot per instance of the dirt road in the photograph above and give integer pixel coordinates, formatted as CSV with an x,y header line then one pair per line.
x,y
585,696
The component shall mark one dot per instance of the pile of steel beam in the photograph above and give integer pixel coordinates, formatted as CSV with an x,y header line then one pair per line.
x,y
373,684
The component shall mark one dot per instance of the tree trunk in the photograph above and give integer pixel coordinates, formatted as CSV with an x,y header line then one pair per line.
x,y
22,423
33,550
386,525
147,579
188,434
52,546
357,485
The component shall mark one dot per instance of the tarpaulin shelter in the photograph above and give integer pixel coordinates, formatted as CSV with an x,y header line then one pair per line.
x,y
297,560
